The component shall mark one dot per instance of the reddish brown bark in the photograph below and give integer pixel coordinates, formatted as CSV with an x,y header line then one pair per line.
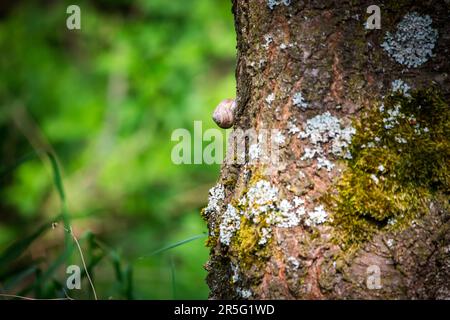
x,y
340,67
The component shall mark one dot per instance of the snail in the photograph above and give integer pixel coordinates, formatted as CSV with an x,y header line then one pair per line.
x,y
223,115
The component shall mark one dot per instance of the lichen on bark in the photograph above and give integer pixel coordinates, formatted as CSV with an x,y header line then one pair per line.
x,y
400,163
390,208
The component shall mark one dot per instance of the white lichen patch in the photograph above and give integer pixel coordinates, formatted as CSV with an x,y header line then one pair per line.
x,y
231,221
216,196
235,268
390,243
270,98
215,200
299,101
413,42
254,152
268,39
262,206
285,46
292,128
285,217
309,154
326,129
393,117
374,178
273,3
324,163
266,234
392,221
260,199
399,86
293,262
317,216
298,201
244,293
279,138
400,139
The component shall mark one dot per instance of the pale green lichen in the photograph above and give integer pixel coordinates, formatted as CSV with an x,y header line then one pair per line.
x,y
322,130
261,207
273,3
413,42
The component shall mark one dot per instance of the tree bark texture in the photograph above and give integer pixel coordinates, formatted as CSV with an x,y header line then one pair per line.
x,y
321,49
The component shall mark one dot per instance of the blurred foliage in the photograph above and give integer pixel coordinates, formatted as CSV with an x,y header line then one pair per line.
x,y
105,100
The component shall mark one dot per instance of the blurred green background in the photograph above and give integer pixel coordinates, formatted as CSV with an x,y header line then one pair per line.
x,y
104,100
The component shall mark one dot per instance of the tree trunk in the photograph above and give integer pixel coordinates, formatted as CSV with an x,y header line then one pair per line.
x,y
357,207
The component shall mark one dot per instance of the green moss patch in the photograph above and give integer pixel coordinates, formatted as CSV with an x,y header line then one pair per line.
x,y
245,245
400,163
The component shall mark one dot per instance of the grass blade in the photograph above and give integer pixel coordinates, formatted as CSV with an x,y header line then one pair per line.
x,y
129,283
18,248
172,273
57,176
174,245
18,277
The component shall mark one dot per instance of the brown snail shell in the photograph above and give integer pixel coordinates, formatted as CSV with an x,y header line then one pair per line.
x,y
223,115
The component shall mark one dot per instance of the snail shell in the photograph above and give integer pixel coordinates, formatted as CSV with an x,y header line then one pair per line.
x,y
223,115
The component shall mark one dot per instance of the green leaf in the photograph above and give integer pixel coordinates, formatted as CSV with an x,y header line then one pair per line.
x,y
129,283
173,278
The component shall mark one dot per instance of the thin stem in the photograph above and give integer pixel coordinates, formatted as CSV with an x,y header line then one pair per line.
x,y
28,298
84,263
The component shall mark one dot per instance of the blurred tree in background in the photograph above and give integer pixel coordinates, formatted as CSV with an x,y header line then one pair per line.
x,y
105,100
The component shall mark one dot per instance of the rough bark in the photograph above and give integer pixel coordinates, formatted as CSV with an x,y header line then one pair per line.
x,y
321,48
